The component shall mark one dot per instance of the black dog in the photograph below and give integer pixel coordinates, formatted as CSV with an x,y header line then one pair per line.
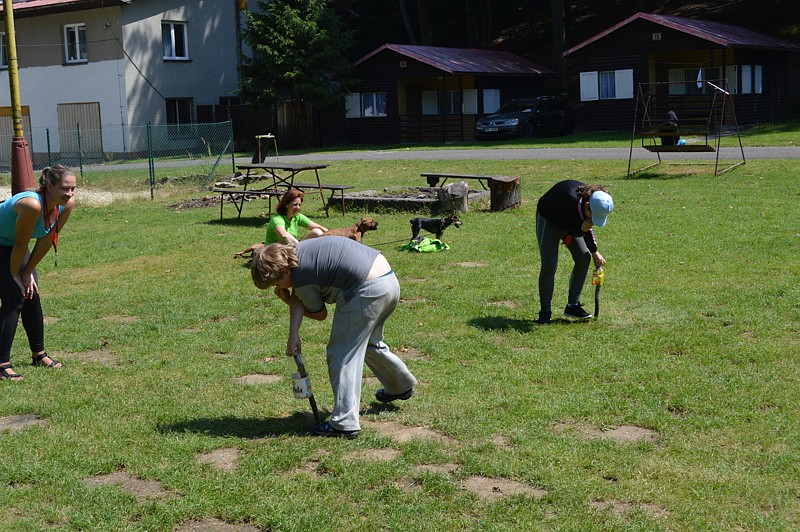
x,y
433,225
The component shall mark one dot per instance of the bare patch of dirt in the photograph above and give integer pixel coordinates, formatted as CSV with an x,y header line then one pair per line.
x,y
413,300
443,469
410,353
471,264
403,433
502,442
505,304
191,330
375,455
259,378
224,459
312,465
415,280
141,489
622,508
371,381
214,525
14,424
205,201
622,433
488,488
96,356
49,320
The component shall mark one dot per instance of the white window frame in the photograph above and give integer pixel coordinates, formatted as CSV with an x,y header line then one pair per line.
x,y
370,106
590,88
430,103
491,100
352,105
469,104
170,48
75,43
747,79
3,51
758,82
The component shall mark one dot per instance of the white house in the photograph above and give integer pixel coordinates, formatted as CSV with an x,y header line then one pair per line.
x,y
112,64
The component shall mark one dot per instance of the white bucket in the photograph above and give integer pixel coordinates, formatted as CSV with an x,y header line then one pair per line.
x,y
301,386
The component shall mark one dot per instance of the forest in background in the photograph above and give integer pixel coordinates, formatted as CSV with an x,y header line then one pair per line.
x,y
525,27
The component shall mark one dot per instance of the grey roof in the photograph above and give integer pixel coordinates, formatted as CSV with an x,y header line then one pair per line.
x,y
464,60
720,33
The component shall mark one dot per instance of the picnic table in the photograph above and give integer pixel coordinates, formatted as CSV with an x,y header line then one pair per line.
x,y
283,174
505,191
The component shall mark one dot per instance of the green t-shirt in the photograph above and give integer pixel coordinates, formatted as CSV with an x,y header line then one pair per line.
x,y
298,220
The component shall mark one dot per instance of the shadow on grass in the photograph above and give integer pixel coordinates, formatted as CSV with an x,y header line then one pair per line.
x,y
248,428
244,221
502,323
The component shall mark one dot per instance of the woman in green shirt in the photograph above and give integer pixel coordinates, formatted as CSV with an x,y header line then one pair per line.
x,y
282,227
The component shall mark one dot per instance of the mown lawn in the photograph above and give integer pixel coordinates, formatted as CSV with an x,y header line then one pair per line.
x,y
676,410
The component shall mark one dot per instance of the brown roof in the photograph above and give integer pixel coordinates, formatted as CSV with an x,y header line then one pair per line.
x,y
61,5
464,60
722,34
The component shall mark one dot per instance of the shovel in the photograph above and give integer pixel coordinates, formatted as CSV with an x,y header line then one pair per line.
x,y
598,276
302,386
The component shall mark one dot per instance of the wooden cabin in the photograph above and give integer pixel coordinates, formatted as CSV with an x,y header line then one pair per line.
x,y
684,54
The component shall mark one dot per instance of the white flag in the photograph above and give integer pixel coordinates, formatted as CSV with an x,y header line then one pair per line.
x,y
699,78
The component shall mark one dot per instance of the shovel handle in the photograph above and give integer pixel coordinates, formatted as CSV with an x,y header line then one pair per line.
x,y
301,369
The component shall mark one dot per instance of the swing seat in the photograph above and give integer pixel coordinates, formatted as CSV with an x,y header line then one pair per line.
x,y
686,148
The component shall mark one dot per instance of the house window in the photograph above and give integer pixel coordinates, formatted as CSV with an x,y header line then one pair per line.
x,y
747,79
3,51
75,43
491,100
607,85
692,80
352,105
470,104
430,103
174,40
373,104
453,102
180,116
758,79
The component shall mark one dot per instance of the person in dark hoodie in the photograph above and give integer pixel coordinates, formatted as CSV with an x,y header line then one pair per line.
x,y
566,213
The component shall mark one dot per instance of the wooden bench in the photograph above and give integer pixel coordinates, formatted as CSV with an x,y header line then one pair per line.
x,y
505,191
239,196
333,188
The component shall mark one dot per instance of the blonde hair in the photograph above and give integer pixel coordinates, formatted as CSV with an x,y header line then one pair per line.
x,y
53,175
270,263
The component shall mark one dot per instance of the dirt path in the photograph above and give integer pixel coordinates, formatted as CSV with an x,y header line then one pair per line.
x,y
93,198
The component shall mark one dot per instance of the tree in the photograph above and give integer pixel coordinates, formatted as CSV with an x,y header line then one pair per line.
x,y
299,57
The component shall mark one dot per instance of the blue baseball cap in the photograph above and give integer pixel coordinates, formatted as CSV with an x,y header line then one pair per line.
x,y
601,205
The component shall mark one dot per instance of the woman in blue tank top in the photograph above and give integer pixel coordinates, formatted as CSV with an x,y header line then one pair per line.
x,y
31,215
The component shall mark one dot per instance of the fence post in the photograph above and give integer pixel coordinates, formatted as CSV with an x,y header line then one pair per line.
x,y
233,148
80,150
150,162
49,156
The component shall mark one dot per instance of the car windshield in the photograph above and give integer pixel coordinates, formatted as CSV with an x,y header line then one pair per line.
x,y
517,107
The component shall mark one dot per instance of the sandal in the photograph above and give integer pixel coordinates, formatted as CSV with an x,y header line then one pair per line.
x,y
325,429
384,397
6,373
39,361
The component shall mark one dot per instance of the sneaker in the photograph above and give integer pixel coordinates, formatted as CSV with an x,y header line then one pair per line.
x,y
576,312
325,429
384,397
544,317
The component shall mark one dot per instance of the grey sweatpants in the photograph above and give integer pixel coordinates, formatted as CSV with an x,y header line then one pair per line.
x,y
356,338
549,236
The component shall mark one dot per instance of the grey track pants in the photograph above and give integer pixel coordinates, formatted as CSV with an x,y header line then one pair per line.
x,y
549,236
357,338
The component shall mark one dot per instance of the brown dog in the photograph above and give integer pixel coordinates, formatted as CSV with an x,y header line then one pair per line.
x,y
354,232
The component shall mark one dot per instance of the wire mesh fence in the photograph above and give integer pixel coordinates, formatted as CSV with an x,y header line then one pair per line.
x,y
134,157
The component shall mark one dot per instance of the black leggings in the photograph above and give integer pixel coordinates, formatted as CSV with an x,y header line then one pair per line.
x,y
12,304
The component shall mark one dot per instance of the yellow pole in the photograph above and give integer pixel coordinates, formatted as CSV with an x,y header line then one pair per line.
x,y
21,166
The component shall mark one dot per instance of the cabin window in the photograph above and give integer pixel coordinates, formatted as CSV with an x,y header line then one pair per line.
x,y
470,104
75,43
607,85
430,103
358,105
373,104
491,100
3,51
752,79
174,40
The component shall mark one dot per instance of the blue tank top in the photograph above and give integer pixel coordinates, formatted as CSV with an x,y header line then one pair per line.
x,y
8,219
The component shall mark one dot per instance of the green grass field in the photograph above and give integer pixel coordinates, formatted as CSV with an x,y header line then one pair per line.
x,y
695,351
